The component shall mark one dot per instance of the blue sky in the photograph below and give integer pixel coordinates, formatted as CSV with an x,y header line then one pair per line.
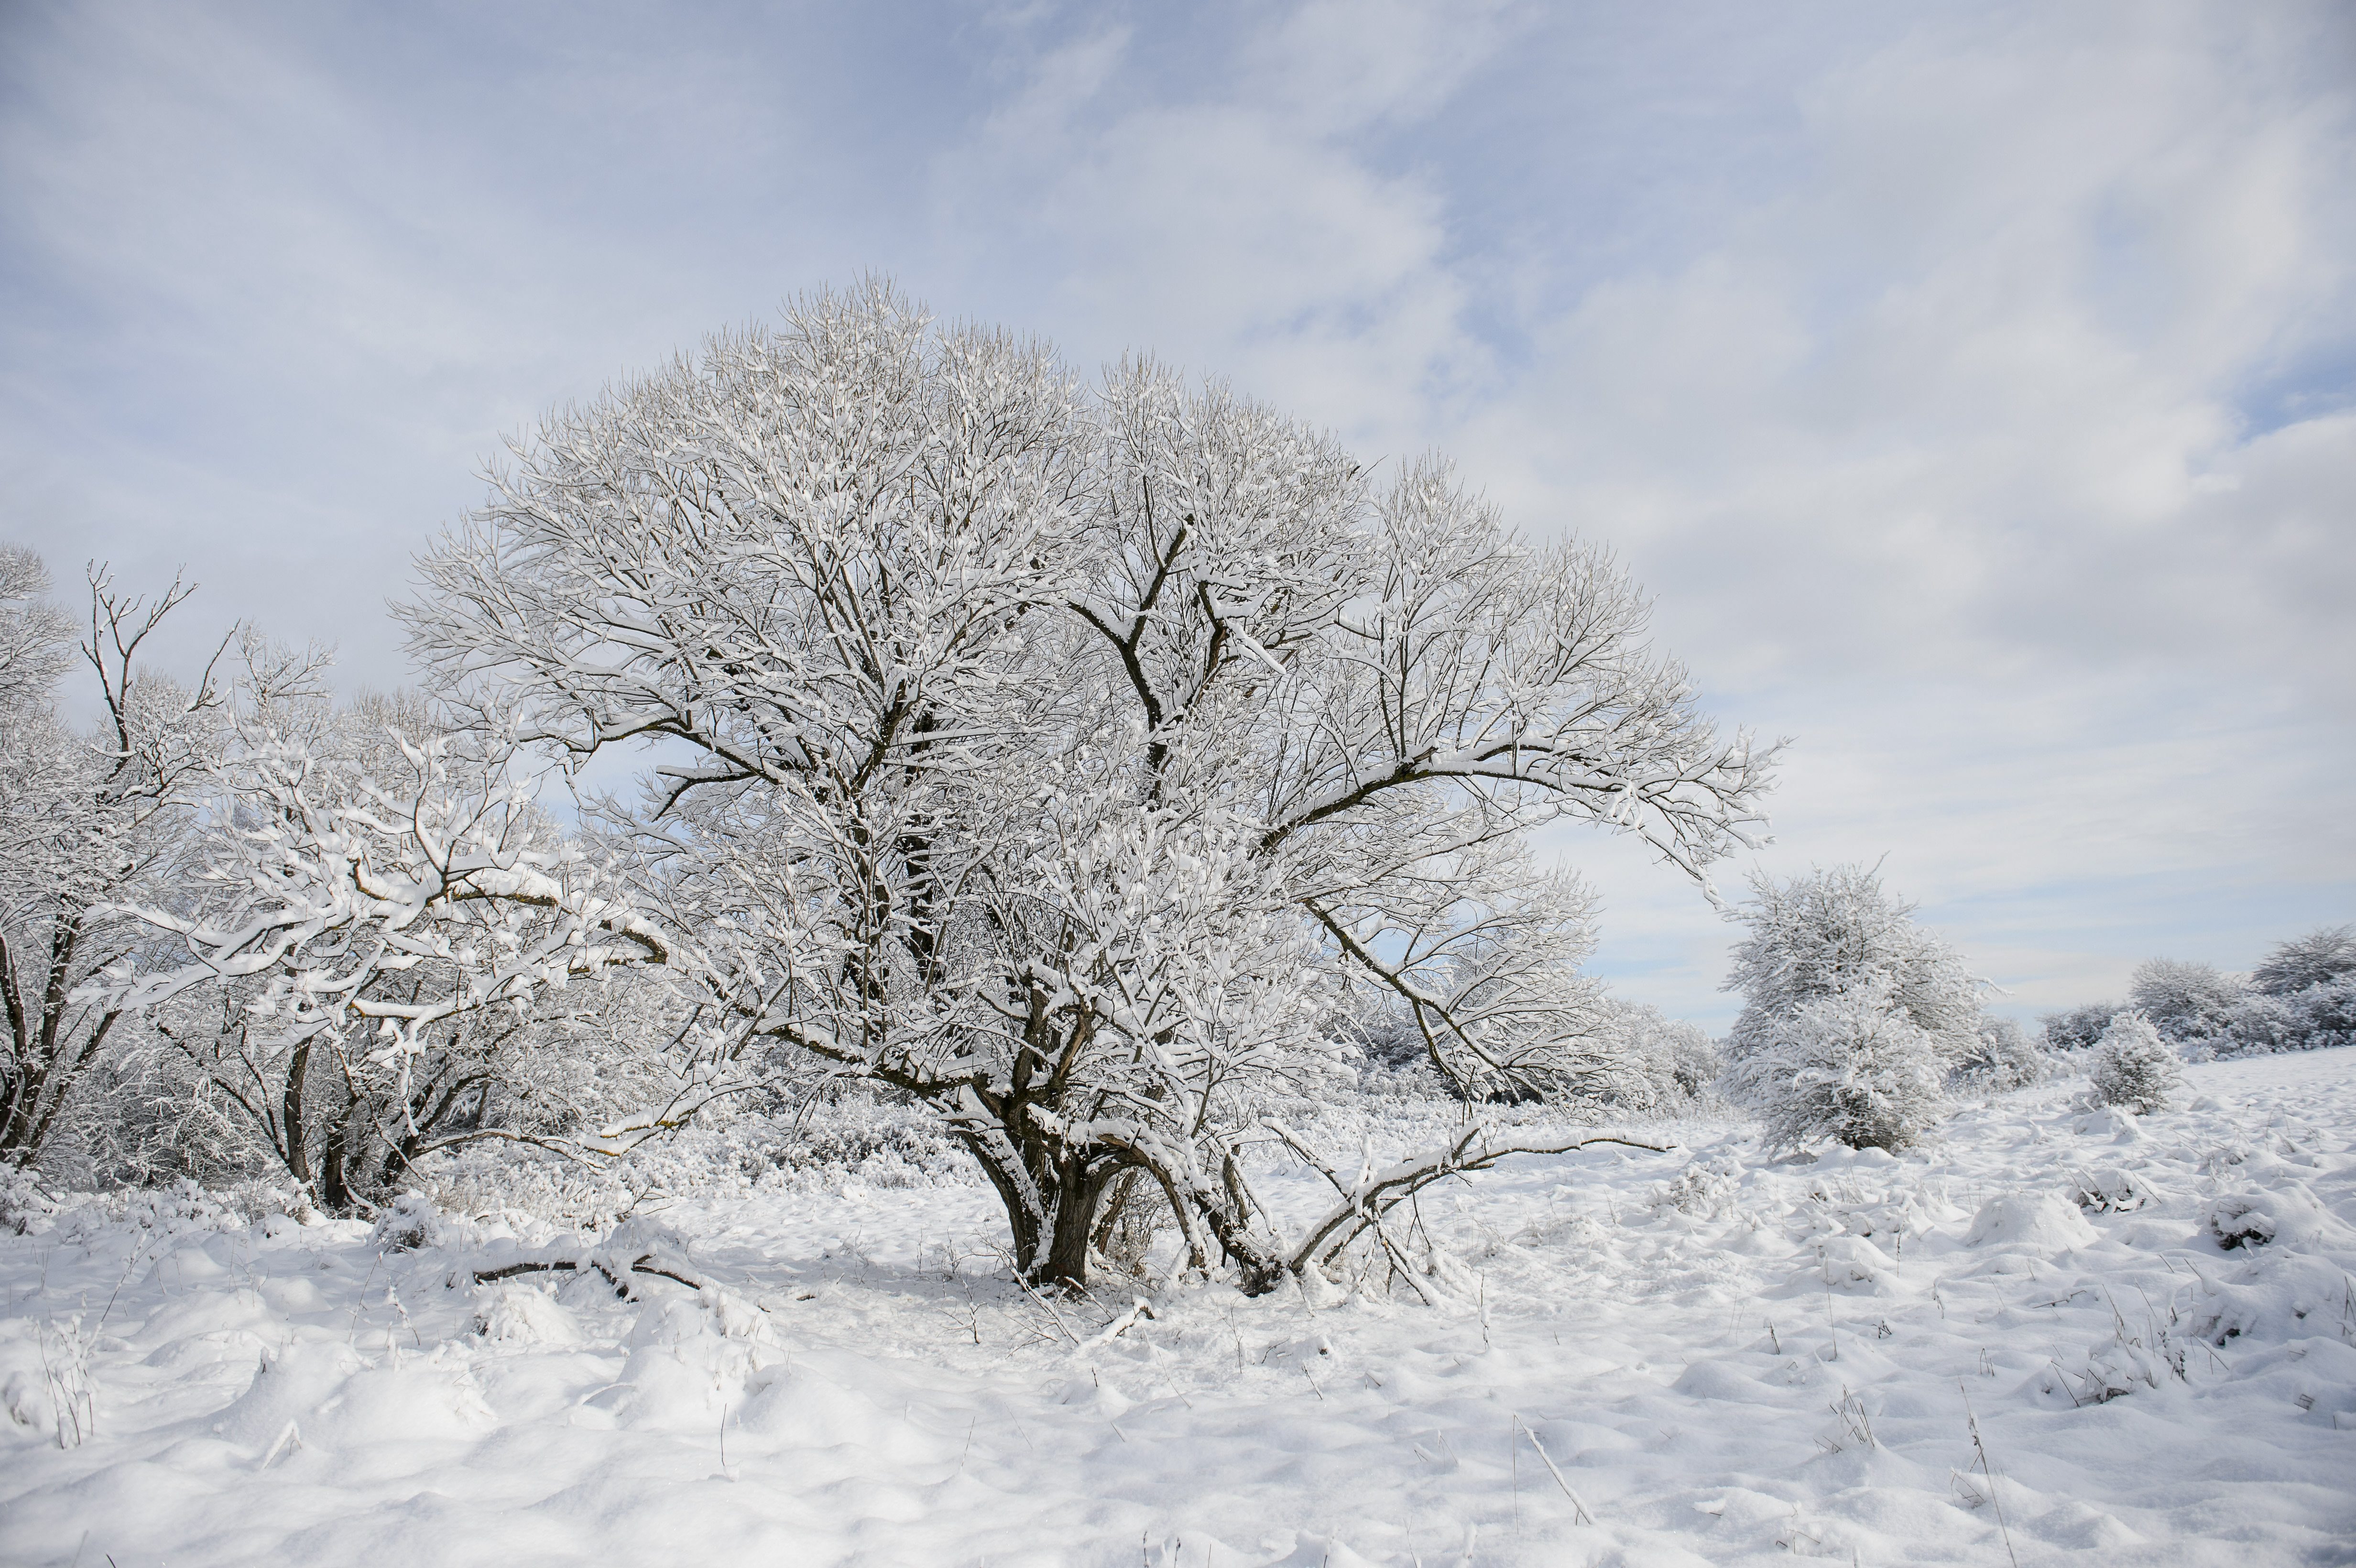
x,y
1974,386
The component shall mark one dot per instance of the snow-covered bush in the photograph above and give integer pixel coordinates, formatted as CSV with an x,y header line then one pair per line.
x,y
1853,1016
1852,1066
409,1224
2302,998
2134,1068
2003,1057
24,1206
2186,1002
2322,957
395,952
2078,1028
1673,1061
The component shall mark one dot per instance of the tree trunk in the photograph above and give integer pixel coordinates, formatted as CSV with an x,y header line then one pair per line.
x,y
297,1148
1051,1230
1080,1188
335,1182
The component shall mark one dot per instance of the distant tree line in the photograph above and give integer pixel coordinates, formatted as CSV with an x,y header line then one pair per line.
x,y
2301,998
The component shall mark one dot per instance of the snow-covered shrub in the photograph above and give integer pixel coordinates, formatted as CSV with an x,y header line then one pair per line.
x,y
24,1207
2185,1001
2321,957
2109,1191
1704,1189
2003,1057
2285,1211
2078,1028
393,952
515,1313
409,1223
1851,1066
1670,1063
2134,1068
2303,998
1831,931
859,1136
2237,1220
1852,1015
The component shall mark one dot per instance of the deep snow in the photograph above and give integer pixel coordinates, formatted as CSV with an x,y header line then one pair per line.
x,y
1699,1356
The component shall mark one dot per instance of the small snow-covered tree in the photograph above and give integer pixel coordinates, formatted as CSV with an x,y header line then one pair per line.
x,y
2134,1068
389,951
1824,951
2077,1029
2185,1001
1063,756
2324,957
1851,1065
88,823
2003,1057
1831,931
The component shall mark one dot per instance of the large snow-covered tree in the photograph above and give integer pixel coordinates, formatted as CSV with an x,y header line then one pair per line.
x,y
1062,754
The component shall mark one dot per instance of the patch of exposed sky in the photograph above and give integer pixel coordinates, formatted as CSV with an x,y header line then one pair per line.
x,y
1974,386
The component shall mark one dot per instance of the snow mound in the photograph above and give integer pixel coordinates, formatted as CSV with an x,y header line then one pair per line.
x,y
810,1410
290,1385
690,1358
2286,1212
2041,1221
523,1314
412,1224
2109,1191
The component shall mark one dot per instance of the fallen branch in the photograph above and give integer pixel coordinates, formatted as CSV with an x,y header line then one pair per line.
x,y
1580,1514
1120,1325
565,1265
1364,1203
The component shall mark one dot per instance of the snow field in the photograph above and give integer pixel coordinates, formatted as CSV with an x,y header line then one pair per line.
x,y
1607,1358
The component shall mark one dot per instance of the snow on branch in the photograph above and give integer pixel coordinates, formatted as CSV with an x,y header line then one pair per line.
x,y
1365,1201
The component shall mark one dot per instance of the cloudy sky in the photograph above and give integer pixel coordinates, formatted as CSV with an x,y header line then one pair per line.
x,y
1974,386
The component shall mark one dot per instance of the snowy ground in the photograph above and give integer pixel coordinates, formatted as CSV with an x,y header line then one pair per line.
x,y
1690,1358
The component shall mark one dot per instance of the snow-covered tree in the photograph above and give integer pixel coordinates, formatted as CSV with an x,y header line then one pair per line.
x,y
1834,931
1670,1061
1851,1065
88,823
2134,1068
390,951
1063,755
2003,1057
2322,957
2185,1001
2078,1028
1824,951
2302,998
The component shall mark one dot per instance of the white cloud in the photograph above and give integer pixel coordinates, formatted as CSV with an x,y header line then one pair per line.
x,y
1972,386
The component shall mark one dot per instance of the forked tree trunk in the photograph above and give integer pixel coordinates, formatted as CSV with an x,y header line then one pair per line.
x,y
1053,1193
